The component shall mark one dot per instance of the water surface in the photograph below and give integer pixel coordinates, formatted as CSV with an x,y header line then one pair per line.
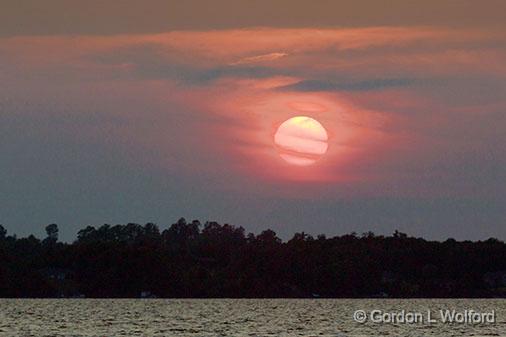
x,y
231,318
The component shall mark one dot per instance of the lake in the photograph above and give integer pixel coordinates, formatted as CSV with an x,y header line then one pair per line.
x,y
249,317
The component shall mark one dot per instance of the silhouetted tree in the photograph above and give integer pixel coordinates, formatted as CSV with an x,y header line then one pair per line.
x,y
3,233
87,234
52,234
181,232
214,260
268,237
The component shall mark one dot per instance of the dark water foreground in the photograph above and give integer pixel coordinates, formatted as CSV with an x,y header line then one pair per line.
x,y
243,317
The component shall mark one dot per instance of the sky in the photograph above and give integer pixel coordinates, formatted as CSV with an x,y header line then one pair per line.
x,y
129,111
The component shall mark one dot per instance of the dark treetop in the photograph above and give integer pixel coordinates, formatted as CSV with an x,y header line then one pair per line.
x,y
191,260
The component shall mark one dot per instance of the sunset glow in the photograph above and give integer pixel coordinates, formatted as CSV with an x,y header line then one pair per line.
x,y
378,123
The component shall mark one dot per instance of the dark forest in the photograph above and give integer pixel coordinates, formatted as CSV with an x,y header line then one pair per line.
x,y
211,260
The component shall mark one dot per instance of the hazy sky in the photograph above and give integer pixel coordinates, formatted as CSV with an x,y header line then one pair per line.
x,y
130,111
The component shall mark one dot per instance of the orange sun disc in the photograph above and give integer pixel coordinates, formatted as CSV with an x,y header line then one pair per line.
x,y
301,140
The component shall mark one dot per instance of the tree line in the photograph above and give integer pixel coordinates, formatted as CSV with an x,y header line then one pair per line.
x,y
190,259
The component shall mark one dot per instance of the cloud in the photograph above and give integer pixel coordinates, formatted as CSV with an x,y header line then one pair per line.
x,y
259,58
322,85
317,56
182,120
201,76
98,17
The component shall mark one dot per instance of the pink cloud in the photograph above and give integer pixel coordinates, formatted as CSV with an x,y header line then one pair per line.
x,y
228,91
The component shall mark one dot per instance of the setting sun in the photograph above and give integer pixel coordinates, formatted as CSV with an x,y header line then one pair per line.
x,y
301,140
